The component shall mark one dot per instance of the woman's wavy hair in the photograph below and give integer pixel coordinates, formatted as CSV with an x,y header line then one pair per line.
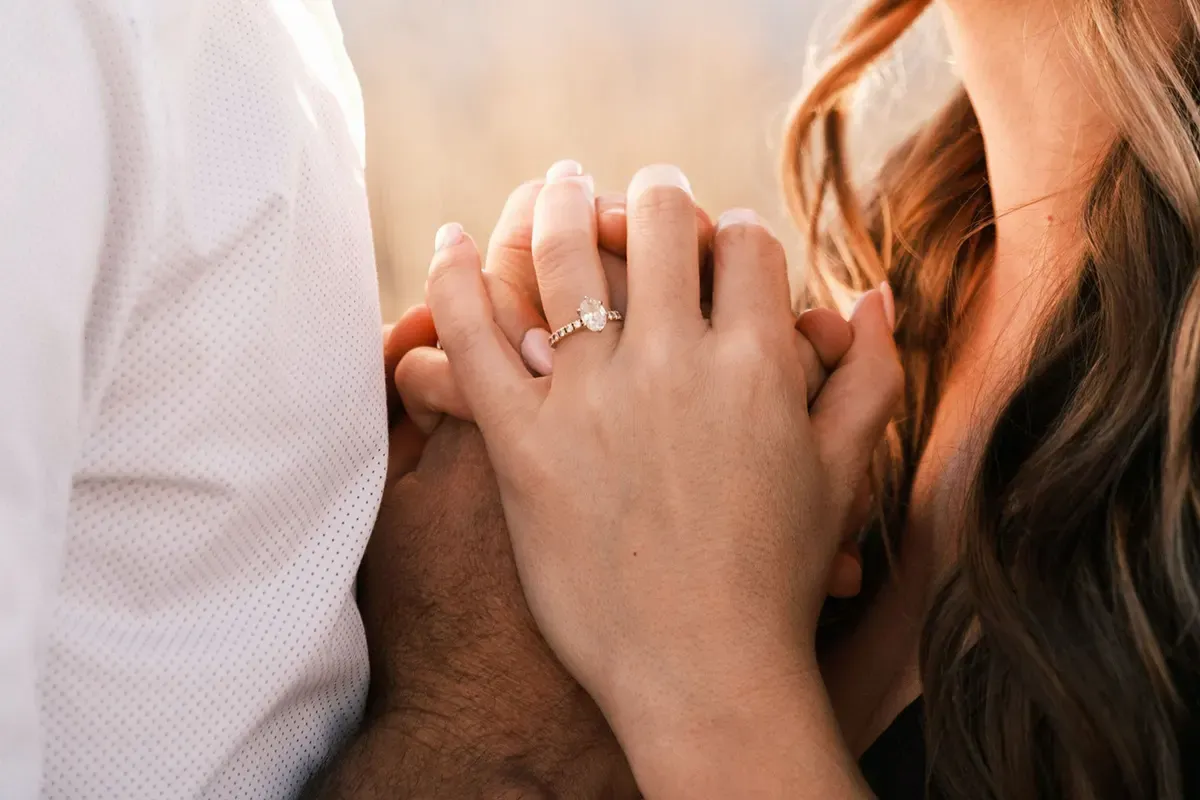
x,y
1060,658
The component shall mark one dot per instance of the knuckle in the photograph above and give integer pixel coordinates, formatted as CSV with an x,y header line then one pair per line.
x,y
512,304
526,456
751,242
514,230
510,252
656,357
408,373
746,348
441,274
461,332
558,249
755,357
423,382
885,377
893,380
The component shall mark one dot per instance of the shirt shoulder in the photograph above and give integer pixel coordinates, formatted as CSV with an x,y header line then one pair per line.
x,y
232,469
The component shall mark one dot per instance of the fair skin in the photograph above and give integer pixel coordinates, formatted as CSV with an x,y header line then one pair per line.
x,y
694,719
1044,136
680,424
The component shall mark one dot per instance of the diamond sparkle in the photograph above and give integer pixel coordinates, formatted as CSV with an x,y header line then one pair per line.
x,y
593,314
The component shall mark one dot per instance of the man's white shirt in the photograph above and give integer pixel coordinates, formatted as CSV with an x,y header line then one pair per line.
x,y
192,422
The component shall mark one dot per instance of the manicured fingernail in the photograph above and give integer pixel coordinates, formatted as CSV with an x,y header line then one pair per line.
x,y
740,216
889,303
657,175
572,172
611,204
536,352
567,168
448,235
858,304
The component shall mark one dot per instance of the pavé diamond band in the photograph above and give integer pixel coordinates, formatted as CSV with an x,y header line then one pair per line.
x,y
593,316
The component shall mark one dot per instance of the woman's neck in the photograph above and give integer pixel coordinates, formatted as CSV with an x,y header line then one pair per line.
x,y
1045,135
1043,130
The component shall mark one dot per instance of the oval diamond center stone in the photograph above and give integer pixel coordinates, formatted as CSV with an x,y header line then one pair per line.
x,y
593,314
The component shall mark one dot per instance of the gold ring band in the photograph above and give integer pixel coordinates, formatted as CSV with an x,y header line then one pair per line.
x,y
593,316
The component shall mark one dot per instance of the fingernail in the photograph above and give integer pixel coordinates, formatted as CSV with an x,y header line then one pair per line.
x,y
740,216
658,175
567,168
536,352
448,235
858,304
889,304
611,204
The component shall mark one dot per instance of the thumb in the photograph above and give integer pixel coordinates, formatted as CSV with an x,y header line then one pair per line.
x,y
413,329
406,442
860,398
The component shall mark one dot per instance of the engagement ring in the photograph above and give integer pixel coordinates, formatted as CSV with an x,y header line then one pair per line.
x,y
592,315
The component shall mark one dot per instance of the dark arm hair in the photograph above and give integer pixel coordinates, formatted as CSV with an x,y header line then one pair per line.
x,y
425,753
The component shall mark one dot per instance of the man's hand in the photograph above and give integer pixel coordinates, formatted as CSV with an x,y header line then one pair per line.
x,y
414,329
466,700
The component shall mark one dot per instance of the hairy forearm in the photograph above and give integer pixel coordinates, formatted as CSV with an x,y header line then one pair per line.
x,y
386,762
422,754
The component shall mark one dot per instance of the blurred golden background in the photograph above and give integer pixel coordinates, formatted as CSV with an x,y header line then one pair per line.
x,y
465,99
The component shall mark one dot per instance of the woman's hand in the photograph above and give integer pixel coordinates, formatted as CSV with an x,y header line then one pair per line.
x,y
674,509
425,382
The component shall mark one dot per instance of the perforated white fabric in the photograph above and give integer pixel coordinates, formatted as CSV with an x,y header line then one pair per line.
x,y
187,594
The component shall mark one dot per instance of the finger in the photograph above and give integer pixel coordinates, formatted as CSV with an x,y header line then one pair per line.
x,y
750,280
612,226
861,396
616,275
393,399
413,329
565,256
488,371
508,271
537,353
405,445
824,338
520,323
664,259
829,334
612,233
428,390
846,572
